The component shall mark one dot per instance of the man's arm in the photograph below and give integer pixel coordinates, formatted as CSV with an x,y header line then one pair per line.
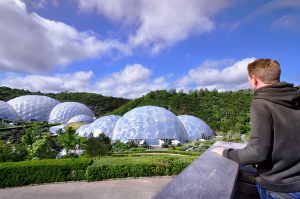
x,y
260,144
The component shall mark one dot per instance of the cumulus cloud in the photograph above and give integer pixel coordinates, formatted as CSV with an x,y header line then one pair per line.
x,y
32,43
131,82
158,24
211,76
136,80
78,81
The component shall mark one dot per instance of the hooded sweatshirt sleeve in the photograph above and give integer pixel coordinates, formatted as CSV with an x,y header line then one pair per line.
x,y
259,146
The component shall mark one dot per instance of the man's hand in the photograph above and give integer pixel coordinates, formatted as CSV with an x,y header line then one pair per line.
x,y
218,150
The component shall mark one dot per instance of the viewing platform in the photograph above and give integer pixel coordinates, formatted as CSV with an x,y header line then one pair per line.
x,y
212,176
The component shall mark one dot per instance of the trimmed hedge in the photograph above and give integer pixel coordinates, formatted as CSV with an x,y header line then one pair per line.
x,y
122,167
191,153
60,170
42,171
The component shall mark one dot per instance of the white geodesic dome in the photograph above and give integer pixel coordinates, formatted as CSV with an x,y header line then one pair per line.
x,y
33,107
103,124
7,112
81,118
54,129
84,131
195,127
149,123
63,112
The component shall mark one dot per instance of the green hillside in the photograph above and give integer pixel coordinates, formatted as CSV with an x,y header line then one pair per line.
x,y
99,104
223,111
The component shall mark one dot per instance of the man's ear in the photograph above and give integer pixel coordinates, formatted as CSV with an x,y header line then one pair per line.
x,y
255,80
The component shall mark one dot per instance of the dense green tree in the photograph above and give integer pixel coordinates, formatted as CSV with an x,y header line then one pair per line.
x,y
68,139
43,149
98,146
223,111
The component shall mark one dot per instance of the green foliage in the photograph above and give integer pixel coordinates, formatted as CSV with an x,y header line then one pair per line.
x,y
137,149
36,131
122,167
98,146
12,153
222,111
169,151
5,152
42,171
232,136
43,149
60,170
119,146
164,145
68,139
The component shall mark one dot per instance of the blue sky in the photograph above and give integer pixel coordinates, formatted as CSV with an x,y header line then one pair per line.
x,y
127,48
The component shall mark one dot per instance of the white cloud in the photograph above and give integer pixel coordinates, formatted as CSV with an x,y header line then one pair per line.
x,y
289,22
131,82
32,43
136,80
209,75
78,81
158,24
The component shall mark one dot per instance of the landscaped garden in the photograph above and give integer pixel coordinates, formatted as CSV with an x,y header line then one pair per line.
x,y
33,156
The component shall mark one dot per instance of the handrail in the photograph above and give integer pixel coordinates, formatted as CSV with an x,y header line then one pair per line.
x,y
209,176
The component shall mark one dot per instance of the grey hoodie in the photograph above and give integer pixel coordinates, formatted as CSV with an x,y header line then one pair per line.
x,y
275,138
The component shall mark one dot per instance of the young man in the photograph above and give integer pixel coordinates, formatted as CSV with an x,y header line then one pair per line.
x,y
275,132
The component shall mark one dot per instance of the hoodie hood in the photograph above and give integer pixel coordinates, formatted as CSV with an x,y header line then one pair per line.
x,y
280,93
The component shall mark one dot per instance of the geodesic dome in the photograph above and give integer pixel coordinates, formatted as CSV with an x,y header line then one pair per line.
x,y
63,112
103,124
84,131
81,118
195,127
33,107
54,129
7,112
149,123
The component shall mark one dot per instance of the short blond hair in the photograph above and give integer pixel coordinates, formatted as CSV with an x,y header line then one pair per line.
x,y
267,70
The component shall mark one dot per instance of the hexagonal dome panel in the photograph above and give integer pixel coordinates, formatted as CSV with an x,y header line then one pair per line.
x,y
7,112
33,107
149,123
195,127
103,124
63,112
81,118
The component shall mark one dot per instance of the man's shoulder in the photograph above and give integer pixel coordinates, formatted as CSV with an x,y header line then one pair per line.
x,y
259,103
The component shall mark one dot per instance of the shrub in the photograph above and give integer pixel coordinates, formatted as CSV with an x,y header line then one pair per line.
x,y
43,149
5,152
68,139
137,149
121,167
42,171
98,146
119,146
164,145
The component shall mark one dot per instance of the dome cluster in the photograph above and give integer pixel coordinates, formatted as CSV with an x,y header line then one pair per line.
x,y
148,124
44,109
